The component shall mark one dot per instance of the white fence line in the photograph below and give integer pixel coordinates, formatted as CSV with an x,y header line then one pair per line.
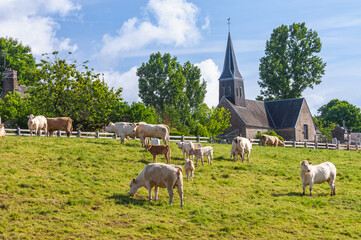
x,y
295,144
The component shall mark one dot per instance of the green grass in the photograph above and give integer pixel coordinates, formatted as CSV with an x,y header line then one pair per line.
x,y
61,188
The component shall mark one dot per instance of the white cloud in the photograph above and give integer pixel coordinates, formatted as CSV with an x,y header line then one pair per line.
x,y
175,24
210,73
128,81
31,22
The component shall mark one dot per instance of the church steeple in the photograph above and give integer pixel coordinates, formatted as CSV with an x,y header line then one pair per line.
x,y
231,83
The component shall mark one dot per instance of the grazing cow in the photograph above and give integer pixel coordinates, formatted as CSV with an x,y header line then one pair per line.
x,y
122,129
201,153
2,130
144,130
159,175
324,172
37,123
159,150
241,146
60,123
189,168
186,147
271,141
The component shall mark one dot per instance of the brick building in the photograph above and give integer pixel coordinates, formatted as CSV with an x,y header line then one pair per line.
x,y
290,118
10,83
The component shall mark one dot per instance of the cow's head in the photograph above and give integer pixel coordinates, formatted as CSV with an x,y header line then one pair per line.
x,y
306,166
134,126
180,145
110,127
31,116
133,187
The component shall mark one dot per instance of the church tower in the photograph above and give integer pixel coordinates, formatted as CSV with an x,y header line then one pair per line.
x,y
231,83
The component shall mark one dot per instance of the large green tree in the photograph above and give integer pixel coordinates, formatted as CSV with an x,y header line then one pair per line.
x,y
291,63
337,111
166,84
64,90
13,54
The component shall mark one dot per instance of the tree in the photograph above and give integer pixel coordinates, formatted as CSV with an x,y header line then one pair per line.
x,y
290,64
18,57
165,84
66,91
337,111
14,109
324,126
137,112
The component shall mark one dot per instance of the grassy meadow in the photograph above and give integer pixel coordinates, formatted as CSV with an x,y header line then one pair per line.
x,y
71,188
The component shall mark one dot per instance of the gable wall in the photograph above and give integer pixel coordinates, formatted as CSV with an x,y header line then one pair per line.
x,y
305,117
235,121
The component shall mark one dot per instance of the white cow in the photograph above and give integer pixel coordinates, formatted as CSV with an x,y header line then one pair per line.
x,y
144,130
37,123
324,172
159,175
201,153
189,168
186,147
122,129
241,146
2,130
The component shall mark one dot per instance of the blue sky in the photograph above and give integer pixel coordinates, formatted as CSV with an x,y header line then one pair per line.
x,y
116,36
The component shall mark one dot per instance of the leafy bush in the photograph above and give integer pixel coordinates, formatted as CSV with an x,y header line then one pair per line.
x,y
271,133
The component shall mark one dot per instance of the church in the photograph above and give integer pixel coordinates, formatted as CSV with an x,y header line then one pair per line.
x,y
290,118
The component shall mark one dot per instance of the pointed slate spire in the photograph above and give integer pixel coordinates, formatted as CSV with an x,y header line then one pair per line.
x,y
230,68
231,84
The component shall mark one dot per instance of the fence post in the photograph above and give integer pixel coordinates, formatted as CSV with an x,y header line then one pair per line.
x,y
58,133
356,147
18,131
316,145
79,133
182,138
211,139
327,145
348,146
337,146
97,134
198,138
305,144
294,143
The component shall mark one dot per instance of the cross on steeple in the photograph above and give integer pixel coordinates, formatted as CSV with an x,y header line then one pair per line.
x,y
229,24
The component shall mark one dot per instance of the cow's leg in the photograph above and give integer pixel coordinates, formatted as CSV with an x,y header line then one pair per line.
x,y
304,188
156,193
180,192
171,193
183,154
147,185
154,158
202,160
191,175
311,186
248,156
187,172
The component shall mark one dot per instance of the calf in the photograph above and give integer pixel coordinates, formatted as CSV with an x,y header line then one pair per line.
x,y
159,175
202,152
324,172
2,130
189,168
159,149
186,147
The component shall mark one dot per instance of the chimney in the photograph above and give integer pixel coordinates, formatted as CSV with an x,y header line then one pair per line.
x,y
10,82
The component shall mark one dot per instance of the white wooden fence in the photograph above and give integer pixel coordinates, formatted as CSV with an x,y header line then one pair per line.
x,y
295,144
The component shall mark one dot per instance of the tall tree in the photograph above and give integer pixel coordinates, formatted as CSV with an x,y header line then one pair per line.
x,y
290,64
82,95
337,111
175,91
18,57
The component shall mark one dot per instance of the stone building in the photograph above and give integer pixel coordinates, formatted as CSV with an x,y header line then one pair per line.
x,y
290,118
10,83
345,136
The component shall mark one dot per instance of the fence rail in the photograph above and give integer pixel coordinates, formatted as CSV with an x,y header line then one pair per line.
x,y
295,144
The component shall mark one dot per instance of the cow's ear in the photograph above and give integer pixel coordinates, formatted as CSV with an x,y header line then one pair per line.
x,y
310,163
301,162
133,181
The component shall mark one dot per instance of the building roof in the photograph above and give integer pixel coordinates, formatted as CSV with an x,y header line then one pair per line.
x,y
230,68
269,114
284,113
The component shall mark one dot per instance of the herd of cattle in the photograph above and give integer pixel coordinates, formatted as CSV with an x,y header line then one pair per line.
x,y
168,175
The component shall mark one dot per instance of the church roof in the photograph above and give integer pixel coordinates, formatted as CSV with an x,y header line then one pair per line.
x,y
230,69
269,114
284,113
